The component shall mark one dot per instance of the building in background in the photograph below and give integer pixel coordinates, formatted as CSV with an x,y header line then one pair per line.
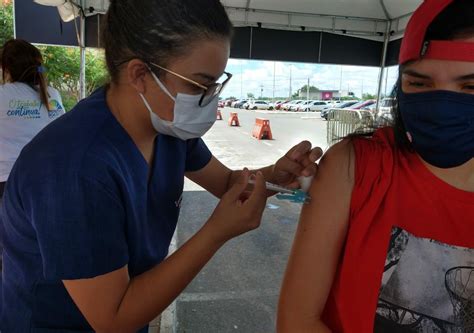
x,y
324,95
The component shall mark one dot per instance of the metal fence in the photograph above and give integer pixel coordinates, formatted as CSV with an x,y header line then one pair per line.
x,y
342,122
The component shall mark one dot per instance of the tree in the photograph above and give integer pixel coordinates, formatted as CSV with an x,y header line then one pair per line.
x,y
63,66
250,95
348,98
6,23
304,89
368,96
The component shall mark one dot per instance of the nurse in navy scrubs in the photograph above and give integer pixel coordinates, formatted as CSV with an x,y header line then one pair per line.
x,y
92,202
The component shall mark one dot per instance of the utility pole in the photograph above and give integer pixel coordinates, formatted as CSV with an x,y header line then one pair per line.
x,y
290,84
340,82
261,91
274,74
241,80
307,91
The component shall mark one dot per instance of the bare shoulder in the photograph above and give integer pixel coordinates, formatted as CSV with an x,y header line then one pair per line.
x,y
337,164
331,190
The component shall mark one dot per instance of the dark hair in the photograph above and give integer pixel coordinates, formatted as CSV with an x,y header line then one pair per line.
x,y
456,21
157,30
23,62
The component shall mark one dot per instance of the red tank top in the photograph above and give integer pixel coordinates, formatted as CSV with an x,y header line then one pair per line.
x,y
408,263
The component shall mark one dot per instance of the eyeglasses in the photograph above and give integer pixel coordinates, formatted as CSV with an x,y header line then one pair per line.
x,y
211,91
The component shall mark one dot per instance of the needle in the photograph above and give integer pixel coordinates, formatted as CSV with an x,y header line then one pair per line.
x,y
274,187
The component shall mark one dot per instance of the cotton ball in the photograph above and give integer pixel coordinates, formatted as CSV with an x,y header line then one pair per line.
x,y
305,182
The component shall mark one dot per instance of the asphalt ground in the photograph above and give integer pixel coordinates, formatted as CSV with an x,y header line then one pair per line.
x,y
238,290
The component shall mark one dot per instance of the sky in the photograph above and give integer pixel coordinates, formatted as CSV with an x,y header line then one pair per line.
x,y
251,76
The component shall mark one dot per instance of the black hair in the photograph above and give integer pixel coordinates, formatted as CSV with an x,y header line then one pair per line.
x,y
23,62
158,30
456,21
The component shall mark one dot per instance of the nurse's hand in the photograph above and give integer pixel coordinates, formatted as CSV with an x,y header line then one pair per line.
x,y
298,161
239,210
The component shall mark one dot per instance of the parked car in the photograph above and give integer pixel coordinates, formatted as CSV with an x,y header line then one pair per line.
x,y
273,104
301,106
332,104
384,119
246,105
232,104
228,102
279,104
239,104
297,105
361,105
341,105
387,105
314,106
385,114
371,107
292,104
289,104
258,105
221,104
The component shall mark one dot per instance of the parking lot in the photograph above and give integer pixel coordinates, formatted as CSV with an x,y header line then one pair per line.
x,y
238,290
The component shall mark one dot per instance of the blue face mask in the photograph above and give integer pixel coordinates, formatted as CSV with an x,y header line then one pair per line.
x,y
440,125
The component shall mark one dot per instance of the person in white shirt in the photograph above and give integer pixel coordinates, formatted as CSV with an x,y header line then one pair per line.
x,y
27,103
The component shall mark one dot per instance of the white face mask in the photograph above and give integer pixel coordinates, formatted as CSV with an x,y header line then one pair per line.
x,y
190,120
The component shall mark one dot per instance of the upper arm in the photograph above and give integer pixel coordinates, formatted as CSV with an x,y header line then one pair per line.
x,y
80,227
319,238
214,177
99,298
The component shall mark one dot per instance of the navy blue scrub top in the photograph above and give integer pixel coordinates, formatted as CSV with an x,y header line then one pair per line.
x,y
78,204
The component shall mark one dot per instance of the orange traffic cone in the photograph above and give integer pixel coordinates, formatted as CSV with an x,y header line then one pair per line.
x,y
234,119
262,129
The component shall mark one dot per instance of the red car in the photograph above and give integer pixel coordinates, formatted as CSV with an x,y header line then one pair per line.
x,y
279,103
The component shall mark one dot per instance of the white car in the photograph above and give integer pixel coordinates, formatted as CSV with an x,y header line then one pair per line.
x,y
301,106
331,104
232,104
290,104
387,105
258,105
314,106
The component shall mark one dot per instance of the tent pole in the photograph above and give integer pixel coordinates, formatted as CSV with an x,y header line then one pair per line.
x,y
82,77
382,65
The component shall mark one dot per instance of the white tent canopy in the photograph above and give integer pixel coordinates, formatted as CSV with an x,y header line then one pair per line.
x,y
366,18
376,20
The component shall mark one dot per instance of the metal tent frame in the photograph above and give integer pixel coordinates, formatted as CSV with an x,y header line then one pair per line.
x,y
368,21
